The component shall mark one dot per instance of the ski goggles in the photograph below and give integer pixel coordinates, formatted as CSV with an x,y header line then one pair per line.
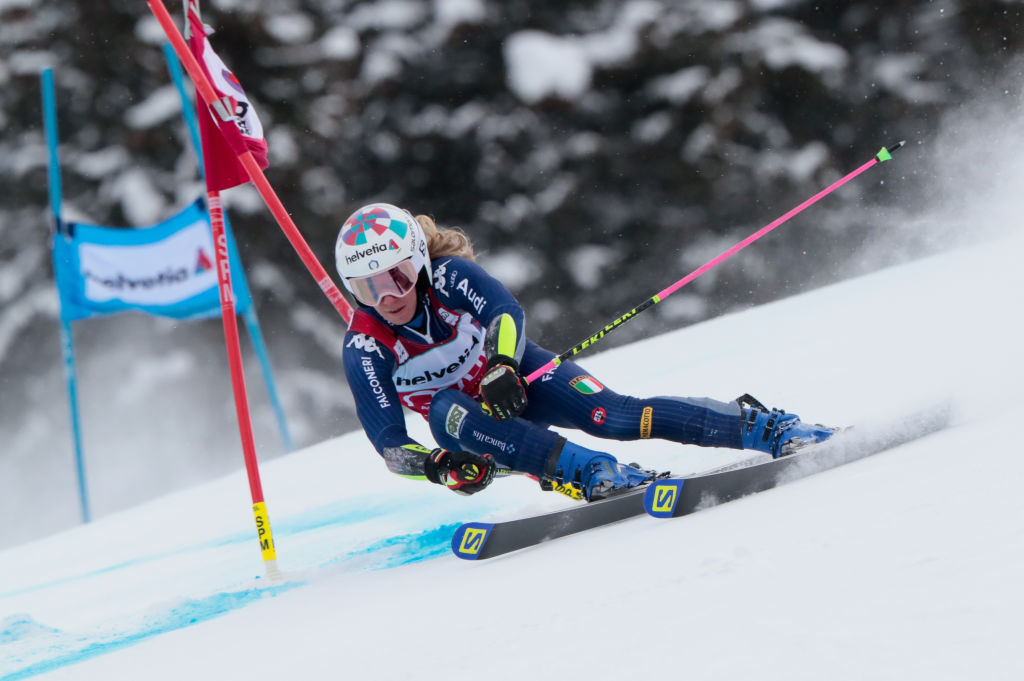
x,y
397,282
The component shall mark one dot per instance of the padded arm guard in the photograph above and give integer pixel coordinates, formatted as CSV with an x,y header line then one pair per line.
x,y
504,339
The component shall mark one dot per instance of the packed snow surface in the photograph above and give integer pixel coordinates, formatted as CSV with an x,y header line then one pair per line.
x,y
905,565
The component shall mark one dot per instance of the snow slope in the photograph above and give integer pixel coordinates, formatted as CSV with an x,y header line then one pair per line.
x,y
902,566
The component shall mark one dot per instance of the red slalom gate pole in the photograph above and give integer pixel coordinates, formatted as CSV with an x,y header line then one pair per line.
x,y
323,280
259,180
227,305
882,156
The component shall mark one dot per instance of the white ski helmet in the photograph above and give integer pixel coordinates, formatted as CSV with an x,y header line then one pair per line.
x,y
381,238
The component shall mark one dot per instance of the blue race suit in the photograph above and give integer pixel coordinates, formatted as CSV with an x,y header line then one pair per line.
x,y
434,365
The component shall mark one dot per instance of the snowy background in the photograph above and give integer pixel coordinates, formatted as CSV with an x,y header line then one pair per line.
x,y
650,148
582,144
901,566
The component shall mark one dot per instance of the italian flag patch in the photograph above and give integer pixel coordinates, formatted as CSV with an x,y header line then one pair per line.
x,y
586,385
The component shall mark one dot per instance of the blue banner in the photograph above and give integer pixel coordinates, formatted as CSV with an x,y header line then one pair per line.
x,y
168,269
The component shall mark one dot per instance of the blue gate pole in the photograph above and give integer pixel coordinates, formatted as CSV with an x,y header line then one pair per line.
x,y
67,338
68,344
186,104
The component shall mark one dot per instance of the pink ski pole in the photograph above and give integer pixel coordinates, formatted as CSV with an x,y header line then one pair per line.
x,y
882,156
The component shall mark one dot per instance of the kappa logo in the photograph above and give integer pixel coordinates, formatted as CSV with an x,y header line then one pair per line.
x,y
472,541
439,273
365,343
454,420
664,498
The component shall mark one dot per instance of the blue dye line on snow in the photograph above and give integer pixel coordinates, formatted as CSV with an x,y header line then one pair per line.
x,y
390,552
331,515
405,549
19,627
188,613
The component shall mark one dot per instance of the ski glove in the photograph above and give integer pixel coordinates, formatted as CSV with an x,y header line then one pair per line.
x,y
503,388
462,472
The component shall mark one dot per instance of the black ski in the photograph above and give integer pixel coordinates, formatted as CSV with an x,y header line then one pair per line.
x,y
477,541
671,498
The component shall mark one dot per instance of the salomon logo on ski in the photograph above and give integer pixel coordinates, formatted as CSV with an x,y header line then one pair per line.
x,y
672,498
469,540
661,497
479,541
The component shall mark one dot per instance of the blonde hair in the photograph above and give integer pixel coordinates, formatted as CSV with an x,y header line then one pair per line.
x,y
444,241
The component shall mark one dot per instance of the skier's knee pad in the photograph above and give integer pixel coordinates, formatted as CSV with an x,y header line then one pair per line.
x,y
448,412
458,423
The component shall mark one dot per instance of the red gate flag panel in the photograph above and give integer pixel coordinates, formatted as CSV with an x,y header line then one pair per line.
x,y
231,126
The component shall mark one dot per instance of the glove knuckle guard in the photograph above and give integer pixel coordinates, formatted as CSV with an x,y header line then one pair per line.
x,y
502,391
461,472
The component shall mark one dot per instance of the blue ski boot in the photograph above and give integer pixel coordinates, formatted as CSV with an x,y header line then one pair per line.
x,y
775,431
596,474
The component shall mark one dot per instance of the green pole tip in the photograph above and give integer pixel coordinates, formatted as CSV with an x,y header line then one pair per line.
x,y
883,155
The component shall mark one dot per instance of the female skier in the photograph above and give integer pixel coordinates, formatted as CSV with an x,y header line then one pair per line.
x,y
437,334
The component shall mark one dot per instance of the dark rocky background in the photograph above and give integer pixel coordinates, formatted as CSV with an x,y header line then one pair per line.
x,y
667,131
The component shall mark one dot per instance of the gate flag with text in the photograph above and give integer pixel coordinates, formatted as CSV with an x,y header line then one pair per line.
x,y
167,269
